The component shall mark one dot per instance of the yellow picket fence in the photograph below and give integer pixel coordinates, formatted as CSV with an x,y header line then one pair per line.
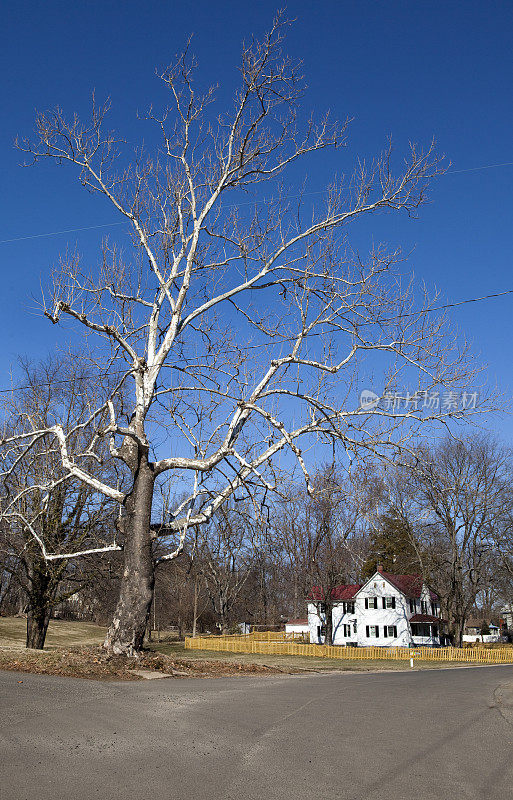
x,y
280,647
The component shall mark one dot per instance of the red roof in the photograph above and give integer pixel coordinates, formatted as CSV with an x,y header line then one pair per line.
x,y
346,592
342,592
409,585
424,618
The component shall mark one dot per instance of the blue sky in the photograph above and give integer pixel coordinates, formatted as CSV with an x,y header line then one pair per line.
x,y
410,69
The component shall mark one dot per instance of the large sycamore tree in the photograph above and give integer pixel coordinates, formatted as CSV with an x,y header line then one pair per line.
x,y
234,327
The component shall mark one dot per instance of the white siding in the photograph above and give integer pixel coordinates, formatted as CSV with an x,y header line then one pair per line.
x,y
296,627
378,587
314,623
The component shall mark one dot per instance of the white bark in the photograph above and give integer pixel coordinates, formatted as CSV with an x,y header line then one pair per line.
x,y
161,319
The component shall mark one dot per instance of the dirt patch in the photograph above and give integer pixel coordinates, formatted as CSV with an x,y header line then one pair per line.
x,y
94,663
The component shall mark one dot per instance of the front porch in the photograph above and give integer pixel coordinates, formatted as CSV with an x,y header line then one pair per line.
x,y
425,630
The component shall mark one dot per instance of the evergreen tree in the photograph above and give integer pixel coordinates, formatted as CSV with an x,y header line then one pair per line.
x,y
391,546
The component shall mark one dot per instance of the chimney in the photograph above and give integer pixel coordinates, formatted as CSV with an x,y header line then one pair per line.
x,y
379,569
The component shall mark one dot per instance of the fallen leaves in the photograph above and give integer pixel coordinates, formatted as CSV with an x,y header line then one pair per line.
x,y
96,664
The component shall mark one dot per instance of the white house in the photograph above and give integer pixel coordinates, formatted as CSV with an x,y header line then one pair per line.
x,y
297,626
387,610
473,632
507,615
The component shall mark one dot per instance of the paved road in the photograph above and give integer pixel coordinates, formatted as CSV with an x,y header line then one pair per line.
x,y
407,736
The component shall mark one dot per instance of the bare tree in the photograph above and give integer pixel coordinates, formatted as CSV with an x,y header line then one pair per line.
x,y
235,333
318,535
39,519
461,490
226,552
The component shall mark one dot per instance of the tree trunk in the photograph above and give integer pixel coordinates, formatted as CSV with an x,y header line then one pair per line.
x,y
223,622
195,609
329,624
37,626
126,633
459,627
41,599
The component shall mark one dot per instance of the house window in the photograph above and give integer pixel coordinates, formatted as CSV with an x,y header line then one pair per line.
x,y
349,607
347,631
372,631
421,630
413,606
390,631
371,602
389,602
423,606
434,609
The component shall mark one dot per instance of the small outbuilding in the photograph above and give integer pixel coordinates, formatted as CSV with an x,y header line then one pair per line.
x,y
297,626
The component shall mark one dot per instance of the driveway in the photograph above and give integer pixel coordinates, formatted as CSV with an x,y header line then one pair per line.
x,y
408,736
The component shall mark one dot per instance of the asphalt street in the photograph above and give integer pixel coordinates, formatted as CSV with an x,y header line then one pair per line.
x,y
421,735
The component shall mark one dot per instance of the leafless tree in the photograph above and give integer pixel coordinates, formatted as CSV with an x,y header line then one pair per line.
x,y
226,553
321,536
235,332
38,519
461,490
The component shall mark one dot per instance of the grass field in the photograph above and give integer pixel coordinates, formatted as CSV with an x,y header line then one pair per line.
x,y
60,633
296,663
74,648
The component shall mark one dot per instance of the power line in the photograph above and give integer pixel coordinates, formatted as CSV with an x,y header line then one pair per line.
x,y
58,233
476,169
251,202
443,307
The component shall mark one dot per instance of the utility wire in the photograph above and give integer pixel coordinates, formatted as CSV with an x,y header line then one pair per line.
x,y
58,233
251,202
286,339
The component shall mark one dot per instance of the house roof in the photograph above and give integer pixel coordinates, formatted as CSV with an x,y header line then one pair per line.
x,y
297,622
476,622
346,592
425,618
342,592
409,585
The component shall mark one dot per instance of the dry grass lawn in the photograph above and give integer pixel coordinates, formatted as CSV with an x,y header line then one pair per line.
x,y
60,633
296,663
74,649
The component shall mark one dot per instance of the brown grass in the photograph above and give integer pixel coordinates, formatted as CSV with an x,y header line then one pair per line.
x,y
73,650
61,633
93,662
288,663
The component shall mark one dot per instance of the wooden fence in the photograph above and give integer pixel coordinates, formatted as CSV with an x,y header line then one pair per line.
x,y
255,643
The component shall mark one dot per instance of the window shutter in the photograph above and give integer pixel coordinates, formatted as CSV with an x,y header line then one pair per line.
x,y
384,602
395,631
367,606
367,631
393,602
385,629
377,631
